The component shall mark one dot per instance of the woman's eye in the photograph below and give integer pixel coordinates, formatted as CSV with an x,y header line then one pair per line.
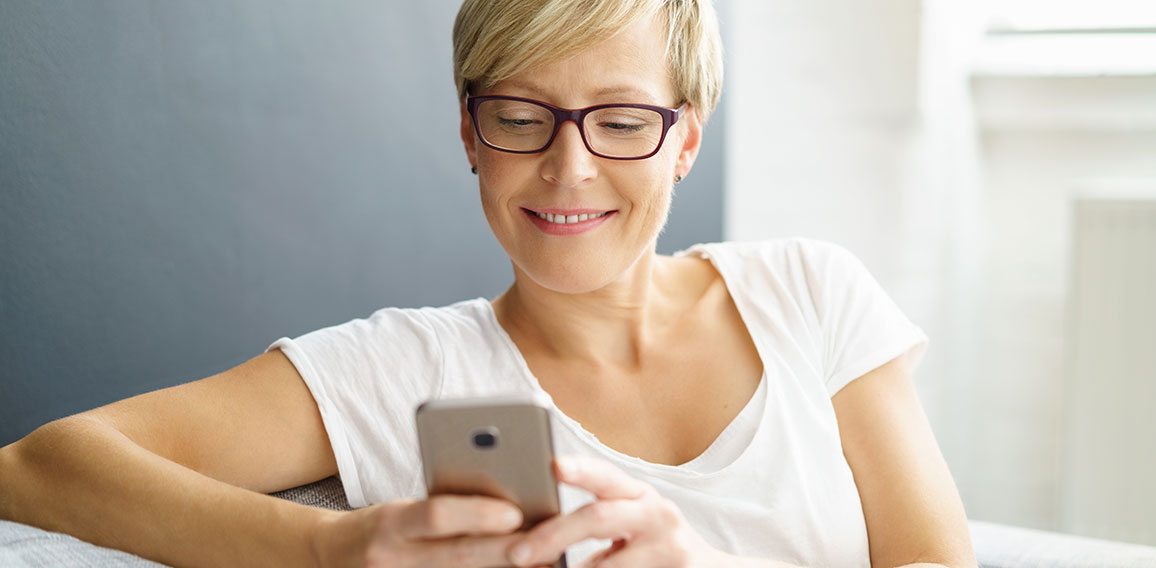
x,y
516,121
623,126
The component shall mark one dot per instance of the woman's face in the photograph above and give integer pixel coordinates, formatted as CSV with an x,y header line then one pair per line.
x,y
633,196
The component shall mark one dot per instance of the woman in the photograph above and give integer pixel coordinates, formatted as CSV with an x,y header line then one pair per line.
x,y
733,405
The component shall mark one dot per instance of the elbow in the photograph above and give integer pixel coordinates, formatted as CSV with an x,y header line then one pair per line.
x,y
16,470
7,470
31,466
45,442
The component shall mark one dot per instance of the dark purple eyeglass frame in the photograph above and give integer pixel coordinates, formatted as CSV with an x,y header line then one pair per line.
x,y
669,117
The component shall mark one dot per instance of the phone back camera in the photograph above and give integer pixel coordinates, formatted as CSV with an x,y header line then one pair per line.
x,y
485,439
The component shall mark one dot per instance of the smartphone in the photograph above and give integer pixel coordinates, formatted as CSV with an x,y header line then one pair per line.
x,y
496,446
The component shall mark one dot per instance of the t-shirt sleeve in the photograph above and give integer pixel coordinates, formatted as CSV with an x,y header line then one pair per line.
x,y
861,326
367,377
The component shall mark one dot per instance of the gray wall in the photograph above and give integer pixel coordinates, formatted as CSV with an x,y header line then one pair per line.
x,y
181,183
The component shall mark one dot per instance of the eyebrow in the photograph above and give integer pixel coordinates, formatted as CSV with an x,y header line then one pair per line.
x,y
606,91
536,90
623,90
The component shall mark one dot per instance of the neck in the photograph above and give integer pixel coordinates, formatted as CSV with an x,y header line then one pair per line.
x,y
610,326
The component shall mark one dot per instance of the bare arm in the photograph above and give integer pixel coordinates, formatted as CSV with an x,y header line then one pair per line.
x,y
913,510
161,474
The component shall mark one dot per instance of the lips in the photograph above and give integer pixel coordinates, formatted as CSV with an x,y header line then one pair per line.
x,y
568,218
568,221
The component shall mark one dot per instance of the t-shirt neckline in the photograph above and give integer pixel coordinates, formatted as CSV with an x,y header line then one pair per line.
x,y
685,469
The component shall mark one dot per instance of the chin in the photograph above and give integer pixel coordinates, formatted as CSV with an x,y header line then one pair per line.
x,y
569,278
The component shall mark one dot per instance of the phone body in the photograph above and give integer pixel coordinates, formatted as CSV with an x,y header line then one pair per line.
x,y
500,447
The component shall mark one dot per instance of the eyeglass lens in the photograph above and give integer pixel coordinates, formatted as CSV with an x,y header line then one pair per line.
x,y
621,132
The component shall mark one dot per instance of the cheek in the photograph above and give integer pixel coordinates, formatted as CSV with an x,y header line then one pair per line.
x,y
494,207
655,190
661,209
498,183
494,177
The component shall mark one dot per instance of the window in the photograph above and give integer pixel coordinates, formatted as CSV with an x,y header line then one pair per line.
x,y
1068,38
1068,16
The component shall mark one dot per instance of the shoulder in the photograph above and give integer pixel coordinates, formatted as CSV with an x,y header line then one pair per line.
x,y
389,338
797,251
805,264
402,324
820,280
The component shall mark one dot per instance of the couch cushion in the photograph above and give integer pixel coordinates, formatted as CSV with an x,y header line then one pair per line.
x,y
1002,546
996,546
22,546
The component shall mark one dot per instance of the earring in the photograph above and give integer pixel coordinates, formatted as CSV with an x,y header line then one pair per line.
x,y
474,170
677,178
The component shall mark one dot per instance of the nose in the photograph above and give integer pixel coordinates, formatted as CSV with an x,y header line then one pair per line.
x,y
567,162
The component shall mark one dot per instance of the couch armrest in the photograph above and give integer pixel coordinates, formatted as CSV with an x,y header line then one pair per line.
x,y
22,546
1003,546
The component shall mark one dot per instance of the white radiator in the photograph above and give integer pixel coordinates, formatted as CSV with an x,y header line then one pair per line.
x,y
1108,476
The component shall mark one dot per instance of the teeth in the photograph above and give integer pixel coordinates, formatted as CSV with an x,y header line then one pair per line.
x,y
567,219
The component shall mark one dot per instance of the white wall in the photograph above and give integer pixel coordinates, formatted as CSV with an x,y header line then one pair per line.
x,y
858,123
824,141
824,94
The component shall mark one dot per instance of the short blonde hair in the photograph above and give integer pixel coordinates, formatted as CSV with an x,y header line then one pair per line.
x,y
497,39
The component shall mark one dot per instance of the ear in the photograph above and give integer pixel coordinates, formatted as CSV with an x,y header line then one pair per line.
x,y
692,126
467,133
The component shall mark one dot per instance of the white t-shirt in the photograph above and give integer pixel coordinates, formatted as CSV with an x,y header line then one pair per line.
x,y
774,484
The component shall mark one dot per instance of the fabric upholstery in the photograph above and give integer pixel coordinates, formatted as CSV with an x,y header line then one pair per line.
x,y
325,494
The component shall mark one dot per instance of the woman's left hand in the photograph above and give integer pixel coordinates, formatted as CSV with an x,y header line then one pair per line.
x,y
647,528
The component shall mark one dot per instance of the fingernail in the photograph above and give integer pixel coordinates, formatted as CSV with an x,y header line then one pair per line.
x,y
512,519
564,466
520,554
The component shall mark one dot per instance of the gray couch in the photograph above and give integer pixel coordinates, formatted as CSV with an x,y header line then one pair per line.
x,y
996,546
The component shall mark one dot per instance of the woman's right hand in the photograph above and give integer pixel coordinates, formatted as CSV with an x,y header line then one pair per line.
x,y
444,530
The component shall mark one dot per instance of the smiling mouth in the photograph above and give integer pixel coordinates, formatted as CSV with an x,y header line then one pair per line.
x,y
559,219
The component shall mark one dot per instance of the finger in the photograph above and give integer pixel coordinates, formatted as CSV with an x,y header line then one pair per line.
x,y
633,555
615,519
443,516
465,552
602,555
598,477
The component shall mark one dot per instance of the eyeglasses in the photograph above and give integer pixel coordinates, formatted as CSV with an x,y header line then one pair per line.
x,y
614,131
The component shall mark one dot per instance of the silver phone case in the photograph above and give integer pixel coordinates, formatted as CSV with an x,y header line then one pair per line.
x,y
517,467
